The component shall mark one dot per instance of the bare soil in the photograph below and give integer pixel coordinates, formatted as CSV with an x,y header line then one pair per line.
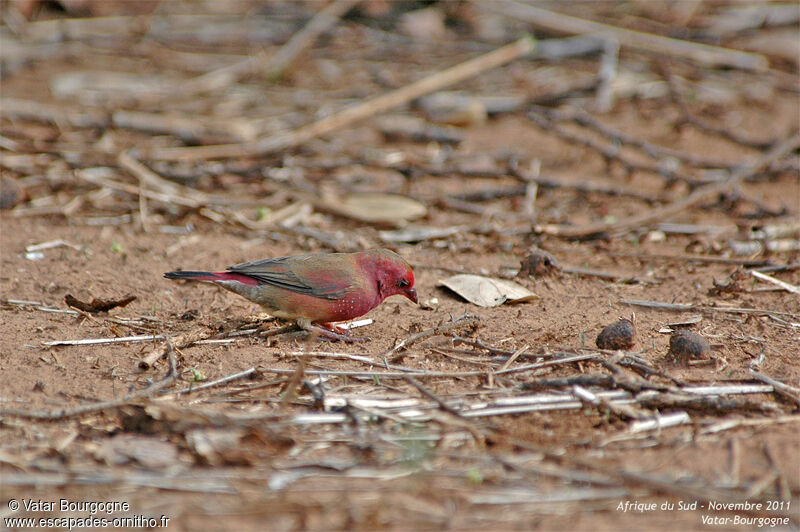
x,y
239,456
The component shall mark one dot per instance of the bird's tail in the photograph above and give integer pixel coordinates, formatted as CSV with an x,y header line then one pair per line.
x,y
194,276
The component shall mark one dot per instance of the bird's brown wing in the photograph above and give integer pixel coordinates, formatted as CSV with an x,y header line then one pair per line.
x,y
292,273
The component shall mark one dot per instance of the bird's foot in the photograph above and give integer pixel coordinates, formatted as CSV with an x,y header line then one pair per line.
x,y
330,331
335,328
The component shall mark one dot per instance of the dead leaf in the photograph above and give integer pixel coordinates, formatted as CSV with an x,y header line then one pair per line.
x,y
672,327
731,285
97,305
486,291
375,207
427,24
147,451
218,446
454,109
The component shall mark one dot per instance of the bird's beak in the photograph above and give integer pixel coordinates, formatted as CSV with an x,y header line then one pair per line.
x,y
412,295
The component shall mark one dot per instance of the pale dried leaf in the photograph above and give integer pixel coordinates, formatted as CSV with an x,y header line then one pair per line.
x,y
147,451
217,446
427,24
486,291
376,208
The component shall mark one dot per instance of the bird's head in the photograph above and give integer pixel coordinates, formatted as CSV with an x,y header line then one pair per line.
x,y
392,273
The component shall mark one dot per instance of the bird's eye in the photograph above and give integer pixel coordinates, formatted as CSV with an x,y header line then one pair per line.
x,y
402,283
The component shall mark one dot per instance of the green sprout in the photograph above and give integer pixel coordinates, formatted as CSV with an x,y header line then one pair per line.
x,y
474,476
262,213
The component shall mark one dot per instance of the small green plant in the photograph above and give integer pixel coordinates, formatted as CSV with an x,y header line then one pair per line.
x,y
262,213
474,476
117,248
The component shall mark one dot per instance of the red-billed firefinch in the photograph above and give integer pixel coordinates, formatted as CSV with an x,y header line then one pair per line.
x,y
317,288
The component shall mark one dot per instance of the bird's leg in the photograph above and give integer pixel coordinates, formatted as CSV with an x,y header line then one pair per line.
x,y
329,331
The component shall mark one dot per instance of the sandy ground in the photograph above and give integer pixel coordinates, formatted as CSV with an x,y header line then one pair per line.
x,y
238,456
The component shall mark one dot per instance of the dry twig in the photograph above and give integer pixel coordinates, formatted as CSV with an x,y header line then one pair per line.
x,y
712,56
394,353
610,152
270,65
351,115
737,176
786,391
181,341
782,284
659,305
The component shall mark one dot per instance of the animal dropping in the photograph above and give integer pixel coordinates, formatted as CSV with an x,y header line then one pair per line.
x,y
685,345
538,262
619,335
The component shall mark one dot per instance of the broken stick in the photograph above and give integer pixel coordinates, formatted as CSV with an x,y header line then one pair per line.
x,y
351,115
737,176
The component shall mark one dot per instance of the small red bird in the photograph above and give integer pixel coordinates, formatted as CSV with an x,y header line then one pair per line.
x,y
317,288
